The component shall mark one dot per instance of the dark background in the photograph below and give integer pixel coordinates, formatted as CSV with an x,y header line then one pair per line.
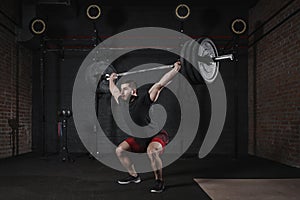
x,y
69,28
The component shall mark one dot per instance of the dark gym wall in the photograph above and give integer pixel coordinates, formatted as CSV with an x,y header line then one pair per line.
x,y
274,81
15,85
206,20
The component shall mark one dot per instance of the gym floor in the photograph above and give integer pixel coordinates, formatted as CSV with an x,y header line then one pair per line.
x,y
33,177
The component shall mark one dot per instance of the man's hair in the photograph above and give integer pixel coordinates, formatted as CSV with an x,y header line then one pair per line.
x,y
132,84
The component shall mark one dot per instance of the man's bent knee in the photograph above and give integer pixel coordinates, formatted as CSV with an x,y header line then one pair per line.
x,y
124,146
119,151
153,151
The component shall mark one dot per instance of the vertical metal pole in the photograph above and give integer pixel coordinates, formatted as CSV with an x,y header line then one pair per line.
x,y
64,140
42,88
96,41
236,99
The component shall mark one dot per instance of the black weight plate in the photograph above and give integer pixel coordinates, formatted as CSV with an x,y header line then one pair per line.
x,y
197,74
188,66
206,51
183,61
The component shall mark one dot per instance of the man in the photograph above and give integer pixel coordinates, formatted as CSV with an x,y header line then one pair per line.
x,y
139,105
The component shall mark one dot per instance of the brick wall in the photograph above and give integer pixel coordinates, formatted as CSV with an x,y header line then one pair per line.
x,y
15,85
274,83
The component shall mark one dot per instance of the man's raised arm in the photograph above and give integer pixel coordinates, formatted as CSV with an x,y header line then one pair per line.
x,y
114,90
157,87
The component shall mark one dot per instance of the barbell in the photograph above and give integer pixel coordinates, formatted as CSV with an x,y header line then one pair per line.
x,y
203,65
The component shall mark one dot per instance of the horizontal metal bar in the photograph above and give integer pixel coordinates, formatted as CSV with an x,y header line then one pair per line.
x,y
201,59
223,57
112,48
61,50
54,2
141,71
145,70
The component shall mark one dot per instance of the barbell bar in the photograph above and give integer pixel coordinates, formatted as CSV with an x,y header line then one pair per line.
x,y
201,66
204,59
140,71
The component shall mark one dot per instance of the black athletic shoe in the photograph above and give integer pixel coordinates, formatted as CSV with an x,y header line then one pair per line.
x,y
129,179
158,187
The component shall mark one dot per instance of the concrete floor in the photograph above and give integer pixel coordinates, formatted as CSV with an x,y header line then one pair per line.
x,y
32,177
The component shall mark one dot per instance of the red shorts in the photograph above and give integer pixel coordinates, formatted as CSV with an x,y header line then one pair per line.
x,y
139,145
